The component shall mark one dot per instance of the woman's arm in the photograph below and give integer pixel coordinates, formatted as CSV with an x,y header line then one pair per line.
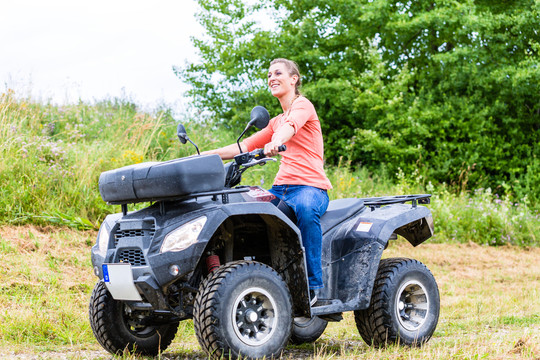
x,y
280,137
227,152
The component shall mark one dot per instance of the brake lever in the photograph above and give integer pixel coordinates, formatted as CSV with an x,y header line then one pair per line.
x,y
258,162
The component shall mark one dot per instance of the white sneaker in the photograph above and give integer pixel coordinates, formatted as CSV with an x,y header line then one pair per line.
x,y
313,297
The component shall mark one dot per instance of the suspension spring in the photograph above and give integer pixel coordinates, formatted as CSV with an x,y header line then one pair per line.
x,y
212,263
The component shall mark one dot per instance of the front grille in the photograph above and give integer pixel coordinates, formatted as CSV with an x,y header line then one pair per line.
x,y
129,233
133,256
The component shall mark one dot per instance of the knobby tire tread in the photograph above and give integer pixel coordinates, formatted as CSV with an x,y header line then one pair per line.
x,y
373,323
98,322
206,304
205,328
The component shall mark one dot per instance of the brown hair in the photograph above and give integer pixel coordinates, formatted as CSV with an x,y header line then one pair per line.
x,y
293,70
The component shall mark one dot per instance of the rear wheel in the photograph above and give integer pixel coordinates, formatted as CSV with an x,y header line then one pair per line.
x,y
307,330
243,308
118,329
404,305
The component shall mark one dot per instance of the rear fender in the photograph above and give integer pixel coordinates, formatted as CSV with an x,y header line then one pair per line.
x,y
417,231
413,223
352,255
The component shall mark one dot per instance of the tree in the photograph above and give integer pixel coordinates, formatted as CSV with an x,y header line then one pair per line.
x,y
449,88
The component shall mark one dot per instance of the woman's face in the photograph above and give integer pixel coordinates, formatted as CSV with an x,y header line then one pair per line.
x,y
279,80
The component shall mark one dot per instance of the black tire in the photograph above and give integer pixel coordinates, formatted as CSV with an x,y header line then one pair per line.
x,y
404,305
243,308
118,331
307,330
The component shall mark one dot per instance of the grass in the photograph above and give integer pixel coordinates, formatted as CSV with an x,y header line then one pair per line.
x,y
489,303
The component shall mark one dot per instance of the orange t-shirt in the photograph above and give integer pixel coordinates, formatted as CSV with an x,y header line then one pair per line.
x,y
302,162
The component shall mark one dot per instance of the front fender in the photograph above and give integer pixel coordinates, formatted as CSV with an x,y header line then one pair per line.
x,y
259,230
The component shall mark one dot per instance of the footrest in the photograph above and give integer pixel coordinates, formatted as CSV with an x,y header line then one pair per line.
x,y
333,307
336,317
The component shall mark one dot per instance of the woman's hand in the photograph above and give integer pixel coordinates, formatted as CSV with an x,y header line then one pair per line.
x,y
284,134
271,149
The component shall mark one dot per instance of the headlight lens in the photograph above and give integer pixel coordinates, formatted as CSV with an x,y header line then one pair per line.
x,y
183,237
103,240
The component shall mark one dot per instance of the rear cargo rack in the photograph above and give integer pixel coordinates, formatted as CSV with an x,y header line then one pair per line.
x,y
375,202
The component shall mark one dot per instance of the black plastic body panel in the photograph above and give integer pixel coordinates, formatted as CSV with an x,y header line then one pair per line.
x,y
354,237
146,230
352,251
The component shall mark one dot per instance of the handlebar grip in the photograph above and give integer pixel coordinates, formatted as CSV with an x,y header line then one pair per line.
x,y
259,153
282,148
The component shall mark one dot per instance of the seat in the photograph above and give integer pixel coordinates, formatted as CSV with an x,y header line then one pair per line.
x,y
339,210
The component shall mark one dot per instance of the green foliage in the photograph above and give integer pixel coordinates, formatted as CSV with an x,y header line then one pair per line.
x,y
484,218
52,177
51,157
449,88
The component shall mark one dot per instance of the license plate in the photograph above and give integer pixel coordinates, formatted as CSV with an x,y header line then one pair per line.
x,y
119,281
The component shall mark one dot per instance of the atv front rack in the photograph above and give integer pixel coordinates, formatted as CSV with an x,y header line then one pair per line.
x,y
375,202
162,201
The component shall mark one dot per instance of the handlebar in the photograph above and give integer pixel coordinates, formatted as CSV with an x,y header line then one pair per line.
x,y
259,153
244,161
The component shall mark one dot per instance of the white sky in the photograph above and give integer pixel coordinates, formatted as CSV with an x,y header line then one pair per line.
x,y
65,50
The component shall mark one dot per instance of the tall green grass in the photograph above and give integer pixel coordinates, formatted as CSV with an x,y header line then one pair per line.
x,y
52,156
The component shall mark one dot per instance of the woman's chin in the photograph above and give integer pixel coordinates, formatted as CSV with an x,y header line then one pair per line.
x,y
277,93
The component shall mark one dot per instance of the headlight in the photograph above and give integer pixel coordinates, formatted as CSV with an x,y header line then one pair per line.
x,y
183,237
103,240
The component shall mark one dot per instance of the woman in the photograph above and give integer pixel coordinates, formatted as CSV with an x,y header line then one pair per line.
x,y
301,181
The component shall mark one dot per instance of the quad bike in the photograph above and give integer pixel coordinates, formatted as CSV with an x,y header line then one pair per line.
x,y
230,259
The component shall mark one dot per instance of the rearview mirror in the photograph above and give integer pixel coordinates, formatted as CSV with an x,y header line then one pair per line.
x,y
182,134
259,117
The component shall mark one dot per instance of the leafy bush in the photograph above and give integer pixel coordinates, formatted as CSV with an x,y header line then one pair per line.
x,y
448,88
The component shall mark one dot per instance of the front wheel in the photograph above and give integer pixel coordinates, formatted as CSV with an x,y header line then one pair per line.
x,y
307,330
243,309
118,329
404,305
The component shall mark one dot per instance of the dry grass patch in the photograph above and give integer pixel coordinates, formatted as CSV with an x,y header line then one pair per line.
x,y
489,303
45,284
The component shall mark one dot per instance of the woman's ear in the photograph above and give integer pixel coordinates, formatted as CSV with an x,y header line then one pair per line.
x,y
295,79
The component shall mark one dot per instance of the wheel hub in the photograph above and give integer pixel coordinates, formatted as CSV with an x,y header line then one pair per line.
x,y
412,305
135,323
253,316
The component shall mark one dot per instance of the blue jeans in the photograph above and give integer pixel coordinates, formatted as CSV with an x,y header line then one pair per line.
x,y
309,204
